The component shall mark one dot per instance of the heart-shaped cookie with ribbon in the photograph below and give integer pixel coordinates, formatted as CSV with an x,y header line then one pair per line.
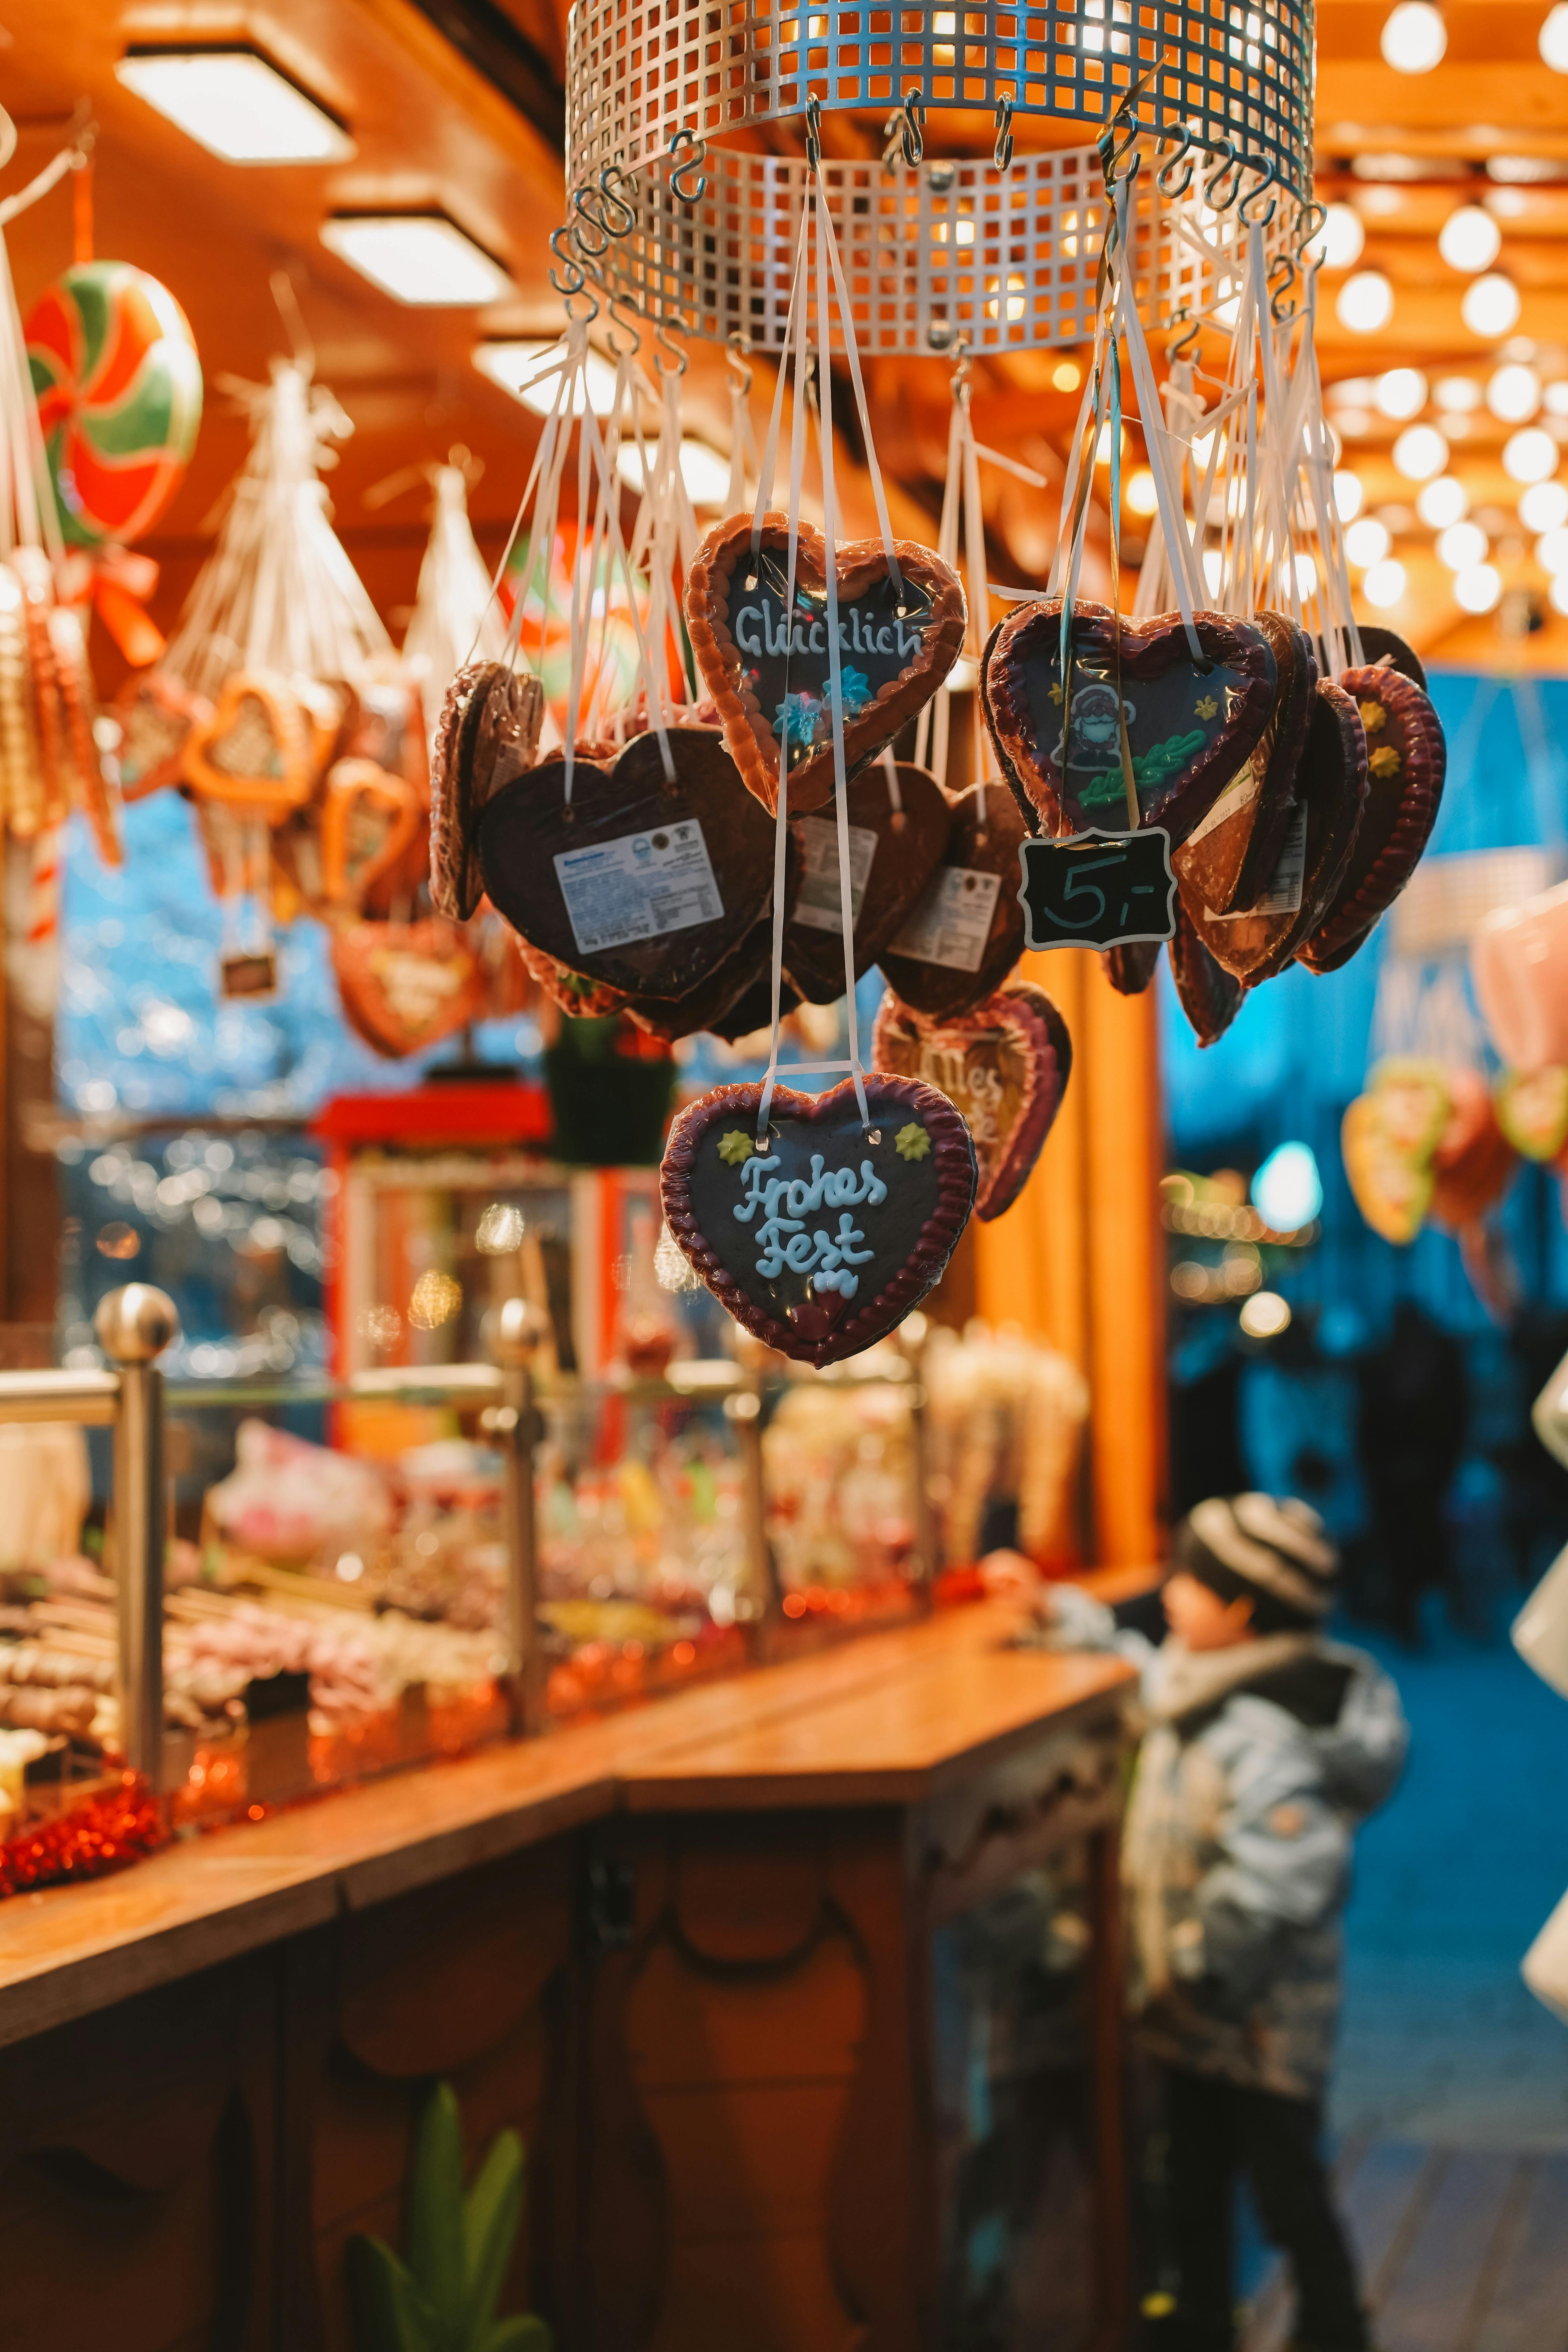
x,y
487,736
1407,762
1232,851
404,985
769,669
1333,781
1210,997
1191,727
965,931
897,836
824,1240
1005,1065
640,881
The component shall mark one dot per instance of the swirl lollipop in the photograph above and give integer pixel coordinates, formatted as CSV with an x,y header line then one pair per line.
x,y
118,388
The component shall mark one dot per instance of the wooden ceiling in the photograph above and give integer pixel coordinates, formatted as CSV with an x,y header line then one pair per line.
x,y
456,104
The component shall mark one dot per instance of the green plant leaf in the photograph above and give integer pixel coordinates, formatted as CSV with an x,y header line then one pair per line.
x,y
527,2333
491,2212
388,2315
436,2215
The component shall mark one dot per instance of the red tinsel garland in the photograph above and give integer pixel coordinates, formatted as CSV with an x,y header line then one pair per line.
x,y
104,1832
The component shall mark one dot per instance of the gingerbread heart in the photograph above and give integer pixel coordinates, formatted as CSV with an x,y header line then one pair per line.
x,y
966,930
487,736
1210,997
706,1006
1229,857
573,992
1474,1161
638,881
404,985
893,851
256,753
156,714
1532,1111
769,673
1393,1191
1407,758
1191,728
1132,966
823,1242
1260,942
1382,647
1005,1065
369,817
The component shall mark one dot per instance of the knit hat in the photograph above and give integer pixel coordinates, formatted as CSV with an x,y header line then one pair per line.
x,y
1271,1543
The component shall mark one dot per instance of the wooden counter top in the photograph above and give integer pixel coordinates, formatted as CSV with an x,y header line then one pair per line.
x,y
883,1719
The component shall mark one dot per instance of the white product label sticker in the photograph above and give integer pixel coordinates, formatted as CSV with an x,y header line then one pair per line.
x,y
953,921
1238,794
817,906
639,887
1283,895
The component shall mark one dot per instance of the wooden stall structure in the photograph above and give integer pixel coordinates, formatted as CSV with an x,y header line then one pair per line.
x,y
802,1989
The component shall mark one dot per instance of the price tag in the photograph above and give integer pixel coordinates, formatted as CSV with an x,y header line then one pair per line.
x,y
1098,889
249,975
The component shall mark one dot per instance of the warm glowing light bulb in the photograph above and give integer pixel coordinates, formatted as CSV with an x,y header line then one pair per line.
x,y
1414,37
1400,394
1348,496
1558,593
1513,394
1420,452
1544,506
1469,239
1338,243
1367,543
1383,586
1529,455
1143,498
1365,303
1552,552
1554,39
1478,589
1491,307
1462,545
1443,503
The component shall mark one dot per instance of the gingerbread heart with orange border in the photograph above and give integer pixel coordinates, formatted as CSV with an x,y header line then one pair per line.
x,y
406,985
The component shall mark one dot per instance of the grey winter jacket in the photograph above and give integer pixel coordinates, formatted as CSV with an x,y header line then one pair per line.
x,y
1258,1764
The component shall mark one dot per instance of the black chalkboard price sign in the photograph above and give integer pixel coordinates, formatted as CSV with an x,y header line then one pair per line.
x,y
1098,889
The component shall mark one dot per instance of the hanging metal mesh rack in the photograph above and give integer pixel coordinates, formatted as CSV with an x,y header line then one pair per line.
x,y
676,208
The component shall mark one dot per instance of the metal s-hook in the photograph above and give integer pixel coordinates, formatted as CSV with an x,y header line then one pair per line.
x,y
665,341
612,180
581,205
614,303
1188,153
1002,152
1280,308
963,369
1180,346
693,154
903,134
1244,213
574,281
813,133
1313,218
737,353
1231,168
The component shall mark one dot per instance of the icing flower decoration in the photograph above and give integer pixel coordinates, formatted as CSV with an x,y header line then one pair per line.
x,y
795,719
856,688
1372,716
1385,760
1206,708
735,1147
913,1143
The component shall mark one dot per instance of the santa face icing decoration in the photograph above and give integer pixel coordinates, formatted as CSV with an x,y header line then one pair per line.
x,y
821,1240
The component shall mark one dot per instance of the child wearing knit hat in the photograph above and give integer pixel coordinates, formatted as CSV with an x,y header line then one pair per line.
x,y
1264,1746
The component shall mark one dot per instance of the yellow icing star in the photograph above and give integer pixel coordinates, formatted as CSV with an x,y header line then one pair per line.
x,y
1373,717
735,1147
1206,708
913,1143
1385,760
1055,692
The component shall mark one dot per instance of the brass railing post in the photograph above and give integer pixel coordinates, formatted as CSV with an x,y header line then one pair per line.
x,y
518,1328
134,1326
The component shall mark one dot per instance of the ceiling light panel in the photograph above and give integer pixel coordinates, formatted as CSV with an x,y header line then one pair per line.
x,y
420,258
237,105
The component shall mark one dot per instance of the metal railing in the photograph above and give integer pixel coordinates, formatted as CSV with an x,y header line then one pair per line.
x,y
135,1324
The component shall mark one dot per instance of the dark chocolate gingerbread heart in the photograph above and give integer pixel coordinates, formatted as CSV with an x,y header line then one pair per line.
x,y
1227,858
1407,760
769,672
823,1242
636,881
707,1004
488,737
1191,730
966,930
1210,997
1380,646
893,853
1260,942
1005,1065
